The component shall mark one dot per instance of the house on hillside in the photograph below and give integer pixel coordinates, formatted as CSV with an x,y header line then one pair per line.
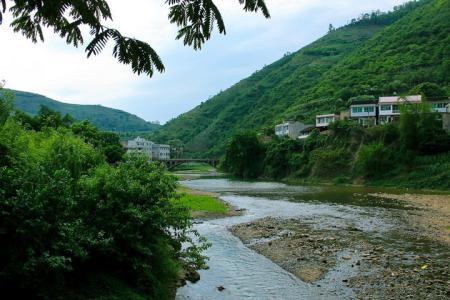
x,y
439,105
323,121
290,129
389,107
306,132
365,112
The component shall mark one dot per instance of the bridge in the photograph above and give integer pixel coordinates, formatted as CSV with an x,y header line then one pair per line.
x,y
172,163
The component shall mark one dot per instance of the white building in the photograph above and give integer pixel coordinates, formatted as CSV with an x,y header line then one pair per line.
x,y
161,152
148,148
322,121
365,112
440,105
390,106
140,145
291,129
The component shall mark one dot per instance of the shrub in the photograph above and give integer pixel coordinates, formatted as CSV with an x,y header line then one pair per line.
x,y
65,213
328,163
373,160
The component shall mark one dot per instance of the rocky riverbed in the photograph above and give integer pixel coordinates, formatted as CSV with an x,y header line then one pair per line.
x,y
383,268
323,243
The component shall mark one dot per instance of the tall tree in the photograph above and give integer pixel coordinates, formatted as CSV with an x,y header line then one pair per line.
x,y
196,19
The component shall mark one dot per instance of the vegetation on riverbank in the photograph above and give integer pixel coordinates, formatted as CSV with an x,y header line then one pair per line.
x,y
413,153
194,168
76,219
204,204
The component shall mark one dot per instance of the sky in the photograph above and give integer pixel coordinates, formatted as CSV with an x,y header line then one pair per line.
x,y
63,73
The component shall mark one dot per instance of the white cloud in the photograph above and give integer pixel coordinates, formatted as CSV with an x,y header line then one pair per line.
x,y
63,73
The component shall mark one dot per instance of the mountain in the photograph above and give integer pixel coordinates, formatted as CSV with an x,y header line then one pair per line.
x,y
376,54
103,117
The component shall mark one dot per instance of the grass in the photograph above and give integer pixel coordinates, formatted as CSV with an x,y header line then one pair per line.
x,y
201,202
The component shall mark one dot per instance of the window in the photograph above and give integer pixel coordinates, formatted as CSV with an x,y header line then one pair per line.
x,y
395,108
356,110
438,105
369,109
385,107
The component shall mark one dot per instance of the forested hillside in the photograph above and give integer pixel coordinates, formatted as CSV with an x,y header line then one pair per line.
x,y
104,118
376,54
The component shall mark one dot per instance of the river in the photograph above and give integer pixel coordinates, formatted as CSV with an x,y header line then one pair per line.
x,y
246,274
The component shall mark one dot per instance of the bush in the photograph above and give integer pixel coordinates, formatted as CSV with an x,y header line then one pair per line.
x,y
244,156
328,163
279,161
65,213
373,160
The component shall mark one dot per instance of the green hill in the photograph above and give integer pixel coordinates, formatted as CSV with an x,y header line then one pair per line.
x,y
103,117
376,54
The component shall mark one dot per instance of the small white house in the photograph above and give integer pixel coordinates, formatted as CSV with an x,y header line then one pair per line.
x,y
389,107
323,121
291,129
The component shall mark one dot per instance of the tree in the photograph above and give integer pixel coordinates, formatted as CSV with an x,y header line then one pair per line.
x,y
331,28
195,19
244,155
429,90
6,105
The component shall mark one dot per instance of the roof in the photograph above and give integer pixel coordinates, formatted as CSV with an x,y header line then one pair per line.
x,y
363,102
442,99
324,116
395,99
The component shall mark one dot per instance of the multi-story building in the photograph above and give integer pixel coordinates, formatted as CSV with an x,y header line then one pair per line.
x,y
389,107
365,112
323,121
148,148
291,129
161,152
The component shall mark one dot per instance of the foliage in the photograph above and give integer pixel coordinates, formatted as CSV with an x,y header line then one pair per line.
x,y
244,155
362,58
374,160
103,118
428,90
196,20
66,215
6,105
278,162
328,163
107,142
421,130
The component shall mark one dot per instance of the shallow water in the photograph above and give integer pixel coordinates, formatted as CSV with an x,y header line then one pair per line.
x,y
248,275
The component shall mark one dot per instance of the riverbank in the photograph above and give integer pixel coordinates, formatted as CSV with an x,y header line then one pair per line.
x,y
431,213
206,205
380,269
